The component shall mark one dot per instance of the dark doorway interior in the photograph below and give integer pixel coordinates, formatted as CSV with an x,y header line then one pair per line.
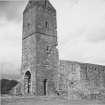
x,y
45,87
27,83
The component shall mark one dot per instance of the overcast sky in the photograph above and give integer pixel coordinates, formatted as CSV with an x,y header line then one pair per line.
x,y
81,32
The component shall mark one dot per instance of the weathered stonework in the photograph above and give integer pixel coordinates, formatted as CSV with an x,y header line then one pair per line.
x,y
42,72
39,52
81,79
16,91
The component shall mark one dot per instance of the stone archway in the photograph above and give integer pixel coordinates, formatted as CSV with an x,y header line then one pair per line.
x,y
27,82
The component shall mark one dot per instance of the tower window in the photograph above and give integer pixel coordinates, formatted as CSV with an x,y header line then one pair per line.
x,y
47,48
28,25
45,3
46,24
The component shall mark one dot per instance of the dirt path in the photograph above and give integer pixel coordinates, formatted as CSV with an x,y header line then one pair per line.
x,y
46,101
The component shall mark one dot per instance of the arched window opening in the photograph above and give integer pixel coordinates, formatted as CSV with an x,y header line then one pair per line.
x,y
27,82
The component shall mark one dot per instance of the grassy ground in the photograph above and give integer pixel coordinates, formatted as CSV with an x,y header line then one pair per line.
x,y
46,101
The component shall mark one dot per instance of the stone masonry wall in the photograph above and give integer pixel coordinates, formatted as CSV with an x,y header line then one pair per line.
x,y
92,78
46,51
29,61
81,79
47,64
69,78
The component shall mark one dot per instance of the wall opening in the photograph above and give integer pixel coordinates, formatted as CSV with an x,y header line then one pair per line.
x,y
46,25
45,87
27,82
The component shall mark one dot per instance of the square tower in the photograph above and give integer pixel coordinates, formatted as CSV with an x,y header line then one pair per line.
x,y
39,53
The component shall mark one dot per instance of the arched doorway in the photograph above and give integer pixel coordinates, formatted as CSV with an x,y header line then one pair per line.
x,y
45,87
27,82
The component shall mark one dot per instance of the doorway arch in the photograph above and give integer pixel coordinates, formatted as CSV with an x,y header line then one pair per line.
x,y
45,86
27,82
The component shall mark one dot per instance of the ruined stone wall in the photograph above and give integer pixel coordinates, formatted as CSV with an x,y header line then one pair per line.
x,y
93,77
81,79
16,90
69,77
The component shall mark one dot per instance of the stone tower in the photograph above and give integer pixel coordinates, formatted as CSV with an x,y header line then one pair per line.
x,y
39,53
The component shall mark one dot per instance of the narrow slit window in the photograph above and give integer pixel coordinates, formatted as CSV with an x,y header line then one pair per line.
x,y
28,25
46,24
47,48
45,3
